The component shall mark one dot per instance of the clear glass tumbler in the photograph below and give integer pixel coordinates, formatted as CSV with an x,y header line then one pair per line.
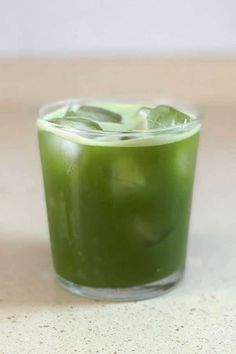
x,y
118,204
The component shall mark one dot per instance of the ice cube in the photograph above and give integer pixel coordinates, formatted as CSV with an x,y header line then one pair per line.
x,y
140,118
71,110
166,117
95,118
150,233
99,114
78,123
127,177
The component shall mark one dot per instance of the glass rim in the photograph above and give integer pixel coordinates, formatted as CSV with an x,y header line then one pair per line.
x,y
186,108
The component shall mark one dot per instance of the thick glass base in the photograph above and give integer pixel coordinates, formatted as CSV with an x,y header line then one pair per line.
x,y
141,292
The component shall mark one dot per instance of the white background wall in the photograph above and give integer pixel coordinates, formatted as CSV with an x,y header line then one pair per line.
x,y
45,27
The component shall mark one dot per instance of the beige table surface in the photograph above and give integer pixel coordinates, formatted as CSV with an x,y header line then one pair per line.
x,y
36,315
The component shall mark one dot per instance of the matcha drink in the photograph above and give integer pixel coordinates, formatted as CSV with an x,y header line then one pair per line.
x,y
118,181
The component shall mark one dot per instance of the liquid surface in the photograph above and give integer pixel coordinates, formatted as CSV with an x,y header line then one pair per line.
x,y
120,124
118,214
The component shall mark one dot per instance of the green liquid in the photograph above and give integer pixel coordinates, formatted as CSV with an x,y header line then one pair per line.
x,y
118,215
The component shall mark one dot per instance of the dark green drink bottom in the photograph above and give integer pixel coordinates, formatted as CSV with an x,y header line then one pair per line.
x,y
118,216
